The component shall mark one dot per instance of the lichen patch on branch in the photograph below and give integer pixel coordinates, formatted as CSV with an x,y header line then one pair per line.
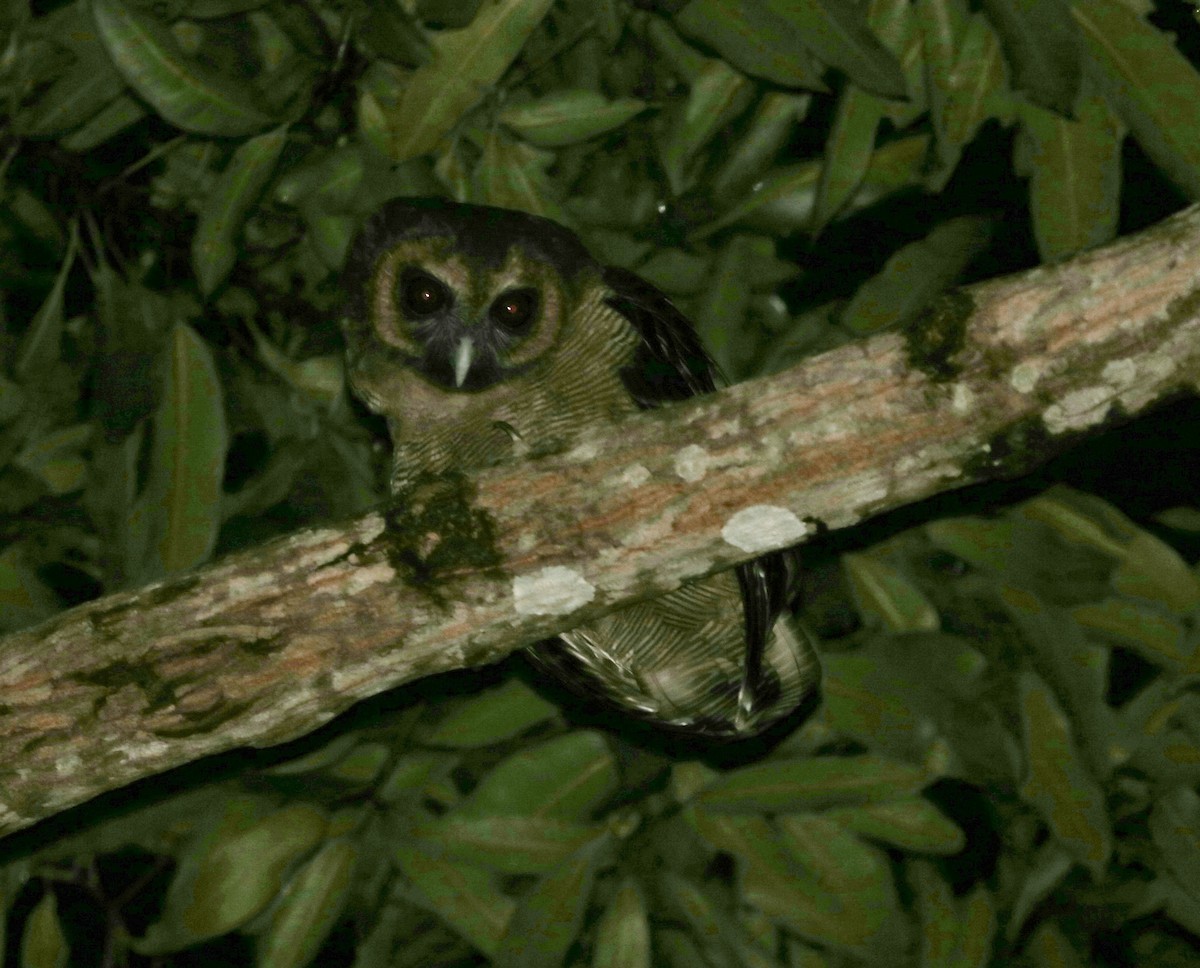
x,y
554,590
763,527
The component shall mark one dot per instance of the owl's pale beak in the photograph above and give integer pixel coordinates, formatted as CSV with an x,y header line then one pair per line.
x,y
464,353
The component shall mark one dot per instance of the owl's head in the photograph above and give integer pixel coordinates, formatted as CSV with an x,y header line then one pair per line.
x,y
463,296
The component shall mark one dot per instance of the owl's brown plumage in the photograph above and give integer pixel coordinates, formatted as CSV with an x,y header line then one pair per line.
x,y
482,334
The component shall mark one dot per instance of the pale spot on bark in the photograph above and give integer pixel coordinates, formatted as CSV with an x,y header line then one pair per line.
x,y
724,428
1120,373
692,462
1078,410
763,527
964,398
1024,377
68,765
635,475
365,577
584,452
551,591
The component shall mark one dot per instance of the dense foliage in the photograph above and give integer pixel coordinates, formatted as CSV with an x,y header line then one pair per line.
x,y
1006,760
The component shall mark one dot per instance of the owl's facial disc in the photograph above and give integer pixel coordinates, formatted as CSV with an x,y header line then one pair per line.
x,y
463,337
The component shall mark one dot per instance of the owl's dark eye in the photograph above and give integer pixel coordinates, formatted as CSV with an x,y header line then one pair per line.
x,y
421,294
513,311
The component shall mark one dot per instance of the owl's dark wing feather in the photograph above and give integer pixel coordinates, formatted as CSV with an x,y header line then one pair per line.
x,y
671,364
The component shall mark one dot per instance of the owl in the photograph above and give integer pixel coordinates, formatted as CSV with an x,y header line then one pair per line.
x,y
483,334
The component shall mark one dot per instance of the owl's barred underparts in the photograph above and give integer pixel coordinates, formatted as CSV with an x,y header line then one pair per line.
x,y
482,334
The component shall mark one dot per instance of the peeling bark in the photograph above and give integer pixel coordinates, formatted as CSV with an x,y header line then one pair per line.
x,y
270,643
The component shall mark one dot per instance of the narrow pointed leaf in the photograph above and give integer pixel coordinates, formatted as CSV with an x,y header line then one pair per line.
x,y
888,596
465,64
762,37
491,717
180,509
214,246
1153,86
810,783
44,944
847,152
1075,178
508,844
564,778
569,116
912,824
916,274
121,112
41,345
1042,44
1057,783
309,908
186,93
467,898
549,915
623,932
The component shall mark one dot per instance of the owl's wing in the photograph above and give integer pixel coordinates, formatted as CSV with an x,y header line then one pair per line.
x,y
671,364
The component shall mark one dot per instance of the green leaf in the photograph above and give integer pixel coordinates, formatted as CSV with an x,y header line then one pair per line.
x,y
57,459
1044,872
1147,567
855,875
796,898
119,114
1050,947
718,94
783,201
75,97
465,64
984,543
177,515
847,152
309,907
720,311
41,346
467,898
43,943
954,933
184,92
24,597
976,87
911,824
237,874
1155,636
1042,44
1075,169
1152,85
569,116
507,844
773,121
1175,827
214,245
885,594
513,175
564,778
333,176
1057,783
623,932
495,715
762,37
916,274
943,23
549,915
812,783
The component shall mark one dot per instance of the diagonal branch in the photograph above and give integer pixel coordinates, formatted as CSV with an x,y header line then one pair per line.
x,y
270,643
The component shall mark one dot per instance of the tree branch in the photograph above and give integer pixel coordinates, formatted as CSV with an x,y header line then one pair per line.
x,y
270,643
